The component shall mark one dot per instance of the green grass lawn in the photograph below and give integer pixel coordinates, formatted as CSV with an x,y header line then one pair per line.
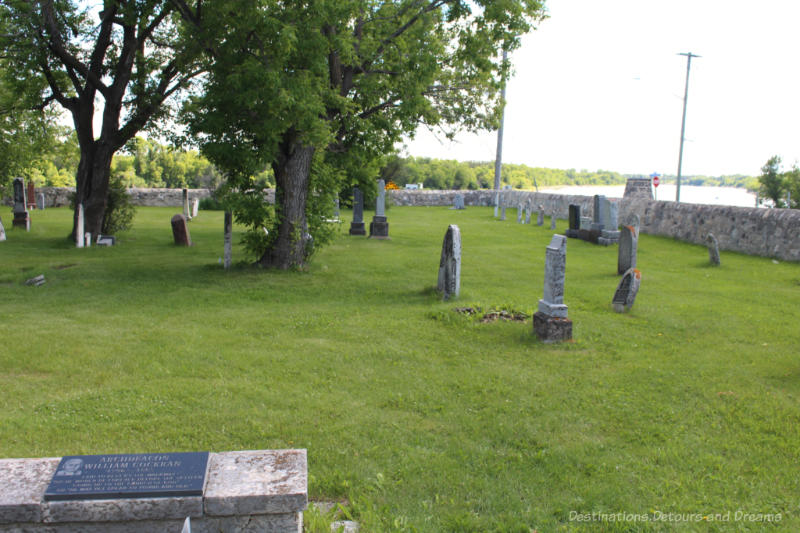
x,y
416,417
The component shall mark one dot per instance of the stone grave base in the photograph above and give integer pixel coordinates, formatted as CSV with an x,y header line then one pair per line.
x,y
551,329
245,491
22,220
379,228
357,228
573,233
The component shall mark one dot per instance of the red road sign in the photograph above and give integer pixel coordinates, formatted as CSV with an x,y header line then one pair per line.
x,y
656,181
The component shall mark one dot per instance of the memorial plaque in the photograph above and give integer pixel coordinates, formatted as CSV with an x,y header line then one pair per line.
x,y
149,475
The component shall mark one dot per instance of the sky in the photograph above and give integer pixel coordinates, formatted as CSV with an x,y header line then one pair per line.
x,y
600,85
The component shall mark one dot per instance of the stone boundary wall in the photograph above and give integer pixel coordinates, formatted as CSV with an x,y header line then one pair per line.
x,y
245,491
749,230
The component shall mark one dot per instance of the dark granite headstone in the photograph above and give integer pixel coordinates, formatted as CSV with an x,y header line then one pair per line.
x,y
574,221
156,475
21,217
180,231
357,225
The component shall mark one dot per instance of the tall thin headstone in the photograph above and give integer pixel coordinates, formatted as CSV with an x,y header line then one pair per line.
x,y
180,231
553,216
503,206
713,249
21,217
79,233
449,283
519,213
574,221
628,244
550,322
228,236
379,227
540,216
2,231
528,209
195,207
357,225
186,213
40,201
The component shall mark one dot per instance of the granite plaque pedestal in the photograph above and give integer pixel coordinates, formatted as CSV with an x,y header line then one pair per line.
x,y
244,491
379,228
552,329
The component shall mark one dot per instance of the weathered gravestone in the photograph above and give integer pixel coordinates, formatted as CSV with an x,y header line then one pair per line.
x,y
550,322
520,209
458,202
186,214
553,216
87,239
540,216
609,215
713,249
228,239
628,287
31,196
628,243
21,217
180,231
528,209
40,201
639,188
195,207
2,231
357,225
574,221
106,240
379,227
449,283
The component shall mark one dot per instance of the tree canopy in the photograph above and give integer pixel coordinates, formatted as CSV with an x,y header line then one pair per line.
x,y
322,90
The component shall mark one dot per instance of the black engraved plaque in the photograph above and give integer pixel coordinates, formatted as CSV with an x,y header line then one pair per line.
x,y
146,475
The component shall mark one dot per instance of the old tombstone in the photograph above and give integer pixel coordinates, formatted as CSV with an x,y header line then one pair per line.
x,y
2,231
449,282
180,231
228,242
597,208
628,287
186,214
106,240
520,209
713,249
540,216
609,233
31,196
458,201
195,207
550,322
528,209
40,201
22,218
79,233
626,255
574,221
379,227
87,239
357,225
553,213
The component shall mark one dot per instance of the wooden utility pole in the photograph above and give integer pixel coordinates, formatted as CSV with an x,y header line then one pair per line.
x,y
689,57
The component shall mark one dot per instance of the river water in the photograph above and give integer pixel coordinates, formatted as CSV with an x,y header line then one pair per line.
x,y
690,194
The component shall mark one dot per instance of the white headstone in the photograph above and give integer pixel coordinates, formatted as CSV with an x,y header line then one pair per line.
x,y
87,239
195,206
79,233
2,231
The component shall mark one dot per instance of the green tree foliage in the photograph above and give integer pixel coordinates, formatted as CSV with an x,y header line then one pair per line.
x,y
129,55
320,91
773,183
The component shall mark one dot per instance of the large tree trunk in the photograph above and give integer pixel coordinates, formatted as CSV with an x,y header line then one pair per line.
x,y
92,179
292,175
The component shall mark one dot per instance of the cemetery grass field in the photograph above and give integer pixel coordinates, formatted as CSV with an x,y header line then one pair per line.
x,y
415,417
